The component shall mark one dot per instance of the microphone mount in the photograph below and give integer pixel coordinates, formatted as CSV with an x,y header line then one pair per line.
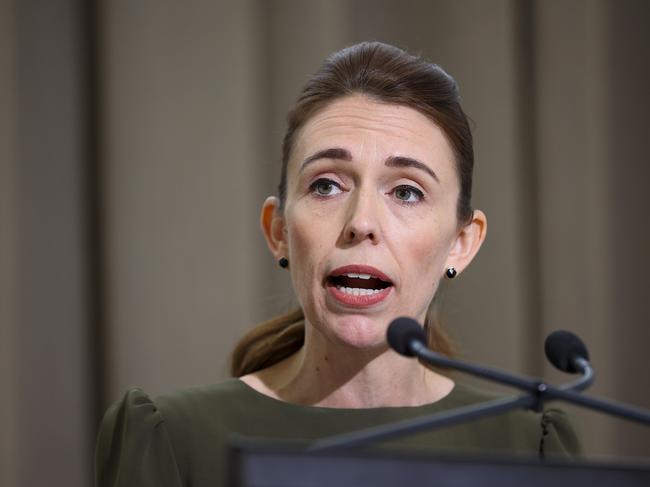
x,y
539,390
411,342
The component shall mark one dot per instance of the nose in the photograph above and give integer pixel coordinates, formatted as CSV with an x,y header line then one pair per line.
x,y
362,219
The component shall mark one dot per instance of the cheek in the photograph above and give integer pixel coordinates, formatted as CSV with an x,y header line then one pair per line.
x,y
307,244
428,256
427,249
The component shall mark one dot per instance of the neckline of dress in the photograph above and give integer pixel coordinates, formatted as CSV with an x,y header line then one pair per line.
x,y
439,404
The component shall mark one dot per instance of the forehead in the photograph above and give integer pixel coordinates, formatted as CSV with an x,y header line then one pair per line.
x,y
370,128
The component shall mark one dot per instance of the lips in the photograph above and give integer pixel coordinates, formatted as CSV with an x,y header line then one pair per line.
x,y
359,286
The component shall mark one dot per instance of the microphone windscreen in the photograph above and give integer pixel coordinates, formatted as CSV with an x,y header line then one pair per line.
x,y
562,348
402,332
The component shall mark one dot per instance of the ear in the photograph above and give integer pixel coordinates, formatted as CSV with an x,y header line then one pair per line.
x,y
468,241
273,226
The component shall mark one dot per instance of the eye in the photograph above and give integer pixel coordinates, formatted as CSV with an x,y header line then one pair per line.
x,y
408,194
325,187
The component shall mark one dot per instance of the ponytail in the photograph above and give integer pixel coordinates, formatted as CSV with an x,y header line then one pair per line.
x,y
268,343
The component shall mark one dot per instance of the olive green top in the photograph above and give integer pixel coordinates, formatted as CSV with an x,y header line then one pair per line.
x,y
180,439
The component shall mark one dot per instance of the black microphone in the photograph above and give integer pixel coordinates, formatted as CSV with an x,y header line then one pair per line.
x,y
403,333
566,352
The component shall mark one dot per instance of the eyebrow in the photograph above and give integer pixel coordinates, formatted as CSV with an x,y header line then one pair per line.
x,y
333,153
400,161
341,154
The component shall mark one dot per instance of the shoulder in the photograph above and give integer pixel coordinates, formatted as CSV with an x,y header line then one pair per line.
x,y
198,414
184,403
198,407
197,398
133,445
550,432
168,429
521,422
470,394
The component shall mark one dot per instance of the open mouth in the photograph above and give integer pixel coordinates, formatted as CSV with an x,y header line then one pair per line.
x,y
357,283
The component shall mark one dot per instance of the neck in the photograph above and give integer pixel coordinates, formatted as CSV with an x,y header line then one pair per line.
x,y
330,374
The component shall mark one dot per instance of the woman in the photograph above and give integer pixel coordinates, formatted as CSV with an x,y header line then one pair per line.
x,y
373,210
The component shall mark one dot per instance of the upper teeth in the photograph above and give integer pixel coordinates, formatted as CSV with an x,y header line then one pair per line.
x,y
359,276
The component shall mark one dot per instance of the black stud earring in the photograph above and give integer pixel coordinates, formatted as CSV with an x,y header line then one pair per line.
x,y
283,262
450,273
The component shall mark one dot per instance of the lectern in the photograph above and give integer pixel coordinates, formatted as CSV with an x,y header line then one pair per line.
x,y
263,464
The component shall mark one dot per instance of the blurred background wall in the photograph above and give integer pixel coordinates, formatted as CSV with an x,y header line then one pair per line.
x,y
139,139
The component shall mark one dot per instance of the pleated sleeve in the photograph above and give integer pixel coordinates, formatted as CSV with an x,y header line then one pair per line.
x,y
559,438
134,447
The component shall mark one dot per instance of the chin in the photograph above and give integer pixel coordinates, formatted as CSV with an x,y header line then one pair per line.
x,y
359,332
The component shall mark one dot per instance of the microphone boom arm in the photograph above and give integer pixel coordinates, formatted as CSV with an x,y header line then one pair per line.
x,y
407,339
540,390
585,380
414,425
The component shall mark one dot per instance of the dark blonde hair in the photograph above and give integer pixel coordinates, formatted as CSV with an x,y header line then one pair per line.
x,y
387,74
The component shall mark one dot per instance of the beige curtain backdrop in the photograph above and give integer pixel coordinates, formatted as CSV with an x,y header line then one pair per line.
x,y
139,139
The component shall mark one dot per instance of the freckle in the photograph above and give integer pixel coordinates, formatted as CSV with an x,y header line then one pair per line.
x,y
317,369
326,359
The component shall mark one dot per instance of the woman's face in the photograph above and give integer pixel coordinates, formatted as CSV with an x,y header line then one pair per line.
x,y
369,224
